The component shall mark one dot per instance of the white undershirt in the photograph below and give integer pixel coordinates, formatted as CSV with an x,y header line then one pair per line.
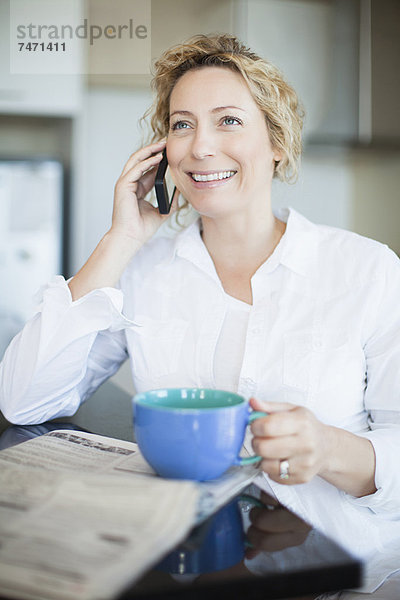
x,y
231,344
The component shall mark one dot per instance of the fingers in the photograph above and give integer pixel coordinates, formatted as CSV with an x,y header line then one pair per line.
x,y
276,448
273,530
139,170
146,182
284,423
272,468
276,529
302,468
290,433
279,520
251,553
270,407
275,541
268,500
143,154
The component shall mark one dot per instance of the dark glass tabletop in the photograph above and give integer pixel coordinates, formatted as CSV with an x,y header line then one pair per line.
x,y
286,558
251,548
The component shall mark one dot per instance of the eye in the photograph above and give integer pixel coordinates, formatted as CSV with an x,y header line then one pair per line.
x,y
179,125
231,121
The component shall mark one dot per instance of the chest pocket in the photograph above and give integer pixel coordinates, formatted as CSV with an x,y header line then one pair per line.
x,y
156,346
317,361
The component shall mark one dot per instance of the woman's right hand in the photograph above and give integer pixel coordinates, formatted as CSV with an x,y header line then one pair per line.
x,y
133,217
134,221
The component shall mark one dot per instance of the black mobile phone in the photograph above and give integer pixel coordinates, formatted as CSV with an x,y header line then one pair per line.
x,y
163,196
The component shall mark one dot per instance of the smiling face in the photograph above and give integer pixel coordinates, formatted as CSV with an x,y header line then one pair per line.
x,y
218,147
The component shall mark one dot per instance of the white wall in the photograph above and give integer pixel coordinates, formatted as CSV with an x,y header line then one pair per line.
x,y
109,133
296,37
323,191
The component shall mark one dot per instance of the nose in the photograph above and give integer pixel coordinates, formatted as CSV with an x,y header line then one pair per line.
x,y
203,143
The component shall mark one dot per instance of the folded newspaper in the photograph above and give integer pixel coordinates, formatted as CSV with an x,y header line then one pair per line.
x,y
83,516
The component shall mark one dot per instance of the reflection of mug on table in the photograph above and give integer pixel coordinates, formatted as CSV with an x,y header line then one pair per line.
x,y
221,542
192,433
215,545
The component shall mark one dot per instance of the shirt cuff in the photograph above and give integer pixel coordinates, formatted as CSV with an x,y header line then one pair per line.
x,y
386,443
103,305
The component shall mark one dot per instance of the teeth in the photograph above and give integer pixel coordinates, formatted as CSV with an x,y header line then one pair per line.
x,y
213,176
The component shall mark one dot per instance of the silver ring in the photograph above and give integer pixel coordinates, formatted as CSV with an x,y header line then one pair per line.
x,y
284,469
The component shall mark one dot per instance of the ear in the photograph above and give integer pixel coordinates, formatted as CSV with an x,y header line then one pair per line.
x,y
277,155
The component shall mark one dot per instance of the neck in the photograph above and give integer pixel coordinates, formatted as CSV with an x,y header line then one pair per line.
x,y
242,243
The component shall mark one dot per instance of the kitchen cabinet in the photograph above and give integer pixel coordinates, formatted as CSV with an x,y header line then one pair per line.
x,y
382,122
51,95
342,57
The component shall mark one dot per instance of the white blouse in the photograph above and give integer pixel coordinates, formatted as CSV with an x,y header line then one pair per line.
x,y
230,346
323,332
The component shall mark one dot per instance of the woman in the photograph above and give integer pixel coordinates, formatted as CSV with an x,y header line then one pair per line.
x,y
303,319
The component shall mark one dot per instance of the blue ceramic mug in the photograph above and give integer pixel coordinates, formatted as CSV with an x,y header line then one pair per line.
x,y
192,433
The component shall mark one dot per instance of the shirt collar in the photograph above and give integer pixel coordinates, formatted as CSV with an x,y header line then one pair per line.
x,y
298,245
189,245
297,249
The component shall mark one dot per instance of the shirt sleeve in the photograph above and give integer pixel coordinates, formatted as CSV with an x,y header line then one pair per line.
x,y
62,354
382,394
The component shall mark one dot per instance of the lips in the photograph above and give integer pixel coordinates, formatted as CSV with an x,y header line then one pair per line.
x,y
212,176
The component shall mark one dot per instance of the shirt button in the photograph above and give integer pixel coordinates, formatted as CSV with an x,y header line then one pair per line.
x,y
255,330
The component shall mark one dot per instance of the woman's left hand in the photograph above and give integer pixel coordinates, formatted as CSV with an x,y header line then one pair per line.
x,y
289,433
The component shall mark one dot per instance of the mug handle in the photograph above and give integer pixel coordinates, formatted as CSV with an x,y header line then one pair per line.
x,y
251,460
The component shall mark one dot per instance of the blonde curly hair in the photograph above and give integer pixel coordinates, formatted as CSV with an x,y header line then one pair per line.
x,y
272,94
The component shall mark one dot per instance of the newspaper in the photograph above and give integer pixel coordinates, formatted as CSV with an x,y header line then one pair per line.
x,y
83,516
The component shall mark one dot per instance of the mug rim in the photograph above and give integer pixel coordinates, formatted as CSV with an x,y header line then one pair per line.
x,y
142,401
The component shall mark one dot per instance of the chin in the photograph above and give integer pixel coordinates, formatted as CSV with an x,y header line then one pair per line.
x,y
215,212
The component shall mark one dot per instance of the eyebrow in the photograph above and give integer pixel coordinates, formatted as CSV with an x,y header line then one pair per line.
x,y
214,110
